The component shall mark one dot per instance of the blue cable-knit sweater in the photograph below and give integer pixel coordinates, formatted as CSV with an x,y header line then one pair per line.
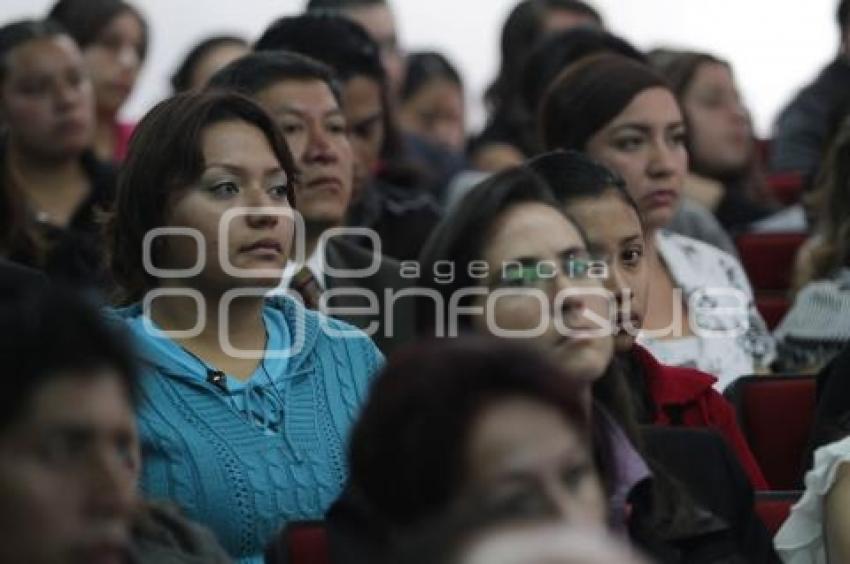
x,y
245,457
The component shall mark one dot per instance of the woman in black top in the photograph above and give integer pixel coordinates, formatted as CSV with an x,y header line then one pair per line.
x,y
51,185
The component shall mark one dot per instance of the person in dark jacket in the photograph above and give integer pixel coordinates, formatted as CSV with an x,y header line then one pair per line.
x,y
804,128
662,395
832,412
402,215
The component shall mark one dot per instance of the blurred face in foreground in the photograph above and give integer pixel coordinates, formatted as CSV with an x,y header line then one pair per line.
x,y
526,456
68,470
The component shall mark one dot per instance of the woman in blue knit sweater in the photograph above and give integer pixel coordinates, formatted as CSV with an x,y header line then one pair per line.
x,y
246,400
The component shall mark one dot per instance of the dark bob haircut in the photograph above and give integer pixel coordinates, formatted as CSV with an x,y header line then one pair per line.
x,y
181,80
86,19
521,31
461,236
572,176
252,73
408,449
50,333
166,155
423,67
587,95
553,54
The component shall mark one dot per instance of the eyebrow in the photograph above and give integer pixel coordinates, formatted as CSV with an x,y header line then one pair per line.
x,y
288,109
238,170
630,239
643,128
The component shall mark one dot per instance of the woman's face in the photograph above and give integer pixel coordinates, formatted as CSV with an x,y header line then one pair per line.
x,y
645,144
720,131
523,454
114,60
541,290
615,235
47,100
436,113
241,174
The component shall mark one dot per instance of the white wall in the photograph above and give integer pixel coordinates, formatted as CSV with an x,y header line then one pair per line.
x,y
774,45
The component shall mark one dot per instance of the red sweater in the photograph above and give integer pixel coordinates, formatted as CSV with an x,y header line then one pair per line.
x,y
689,393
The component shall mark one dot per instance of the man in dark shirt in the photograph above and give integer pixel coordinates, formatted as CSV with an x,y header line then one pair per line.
x,y
806,126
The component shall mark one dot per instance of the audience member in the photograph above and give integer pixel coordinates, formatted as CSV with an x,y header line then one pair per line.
x,y
816,530
518,268
70,449
377,18
402,215
502,143
245,404
725,174
205,59
610,219
804,128
545,62
446,406
336,276
51,185
700,309
816,327
431,102
114,38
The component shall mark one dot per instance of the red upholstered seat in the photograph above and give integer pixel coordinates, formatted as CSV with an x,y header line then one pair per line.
x,y
775,413
772,306
768,258
307,543
773,507
786,187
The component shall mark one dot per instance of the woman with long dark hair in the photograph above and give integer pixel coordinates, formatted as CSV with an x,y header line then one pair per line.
x,y
246,400
701,311
52,185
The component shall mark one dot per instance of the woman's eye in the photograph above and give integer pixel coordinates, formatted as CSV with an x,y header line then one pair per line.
x,y
678,138
291,128
279,191
224,189
75,78
632,256
338,128
520,278
59,449
127,451
628,143
34,87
